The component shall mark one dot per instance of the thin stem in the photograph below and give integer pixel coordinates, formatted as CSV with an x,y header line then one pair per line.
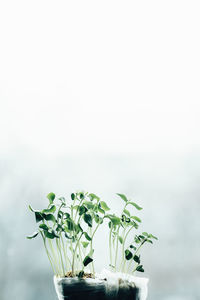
x,y
48,255
116,252
110,245
54,256
73,259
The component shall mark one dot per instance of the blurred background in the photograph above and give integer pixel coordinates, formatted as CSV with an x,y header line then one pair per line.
x,y
102,97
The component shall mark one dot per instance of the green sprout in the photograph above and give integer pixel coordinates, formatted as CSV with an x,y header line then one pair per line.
x,y
120,228
67,228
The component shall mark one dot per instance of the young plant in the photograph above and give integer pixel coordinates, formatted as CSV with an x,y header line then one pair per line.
x,y
120,229
67,228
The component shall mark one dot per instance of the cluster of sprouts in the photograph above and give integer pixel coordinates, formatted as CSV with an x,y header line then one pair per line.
x,y
68,227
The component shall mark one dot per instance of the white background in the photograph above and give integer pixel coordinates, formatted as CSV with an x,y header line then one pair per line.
x,y
118,76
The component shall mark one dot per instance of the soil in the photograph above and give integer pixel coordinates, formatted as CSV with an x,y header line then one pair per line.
x,y
85,275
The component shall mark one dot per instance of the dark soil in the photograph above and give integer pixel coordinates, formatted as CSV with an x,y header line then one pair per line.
x,y
85,275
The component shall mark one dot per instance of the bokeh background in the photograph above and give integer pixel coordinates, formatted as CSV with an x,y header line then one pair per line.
x,y
101,96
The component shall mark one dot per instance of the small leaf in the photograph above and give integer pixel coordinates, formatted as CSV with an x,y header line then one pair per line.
x,y
38,217
136,219
140,268
149,241
73,196
120,239
44,226
81,274
135,205
115,220
49,235
127,212
136,259
101,210
82,196
146,234
153,236
87,236
82,210
87,260
50,217
32,236
104,206
128,254
133,247
123,197
88,219
52,209
93,196
85,244
67,236
59,228
70,224
51,197
141,237
89,204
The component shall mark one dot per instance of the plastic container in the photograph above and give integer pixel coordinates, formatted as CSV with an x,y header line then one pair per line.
x,y
107,286
80,289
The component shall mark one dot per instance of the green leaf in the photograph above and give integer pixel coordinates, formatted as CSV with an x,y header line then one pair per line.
x,y
49,235
120,239
141,237
135,205
149,241
44,226
67,236
38,217
87,260
136,219
51,197
140,268
89,204
50,217
52,209
32,236
101,210
137,239
81,274
82,210
128,254
70,224
123,197
73,196
85,244
82,196
104,206
127,212
66,216
115,220
133,247
96,218
93,196
59,228
87,236
136,259
146,234
88,219
153,236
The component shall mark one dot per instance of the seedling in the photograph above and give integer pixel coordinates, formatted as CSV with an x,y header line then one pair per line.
x,y
67,228
121,227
